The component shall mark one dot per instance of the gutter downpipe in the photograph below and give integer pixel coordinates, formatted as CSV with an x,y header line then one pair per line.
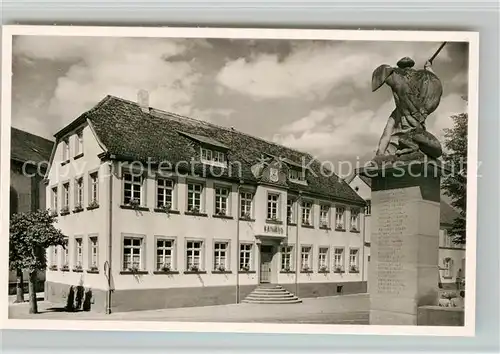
x,y
238,243
297,260
363,247
110,236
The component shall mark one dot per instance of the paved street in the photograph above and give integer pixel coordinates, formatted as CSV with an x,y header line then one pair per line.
x,y
347,309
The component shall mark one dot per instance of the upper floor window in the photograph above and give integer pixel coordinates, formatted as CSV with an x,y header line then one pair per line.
x,y
448,267
132,253
338,259
221,201
65,200
65,146
79,193
132,189
290,214
272,206
368,207
296,175
354,220
94,189
221,262
54,200
353,260
324,216
79,143
306,213
246,205
213,157
323,259
340,218
305,258
194,197
164,193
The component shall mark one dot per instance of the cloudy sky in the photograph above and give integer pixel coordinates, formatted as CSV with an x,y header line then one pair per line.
x,y
313,96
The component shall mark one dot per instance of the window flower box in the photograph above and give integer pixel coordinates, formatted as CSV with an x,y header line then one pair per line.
x,y
93,269
166,208
134,203
338,269
353,269
166,268
65,268
93,205
306,269
339,227
53,267
194,210
65,210
245,268
78,268
78,208
323,269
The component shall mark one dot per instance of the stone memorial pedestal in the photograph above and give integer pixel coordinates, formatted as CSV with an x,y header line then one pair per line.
x,y
403,270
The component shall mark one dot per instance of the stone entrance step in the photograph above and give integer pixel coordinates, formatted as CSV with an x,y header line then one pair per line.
x,y
271,294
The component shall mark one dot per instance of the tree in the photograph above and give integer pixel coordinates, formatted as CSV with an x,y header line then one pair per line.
x,y
455,183
30,235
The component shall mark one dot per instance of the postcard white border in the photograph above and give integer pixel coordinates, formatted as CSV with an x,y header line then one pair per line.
x,y
244,33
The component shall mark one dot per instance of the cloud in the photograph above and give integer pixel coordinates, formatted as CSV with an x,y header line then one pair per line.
x,y
312,69
441,119
116,66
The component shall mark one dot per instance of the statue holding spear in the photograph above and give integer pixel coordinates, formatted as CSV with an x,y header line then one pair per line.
x,y
417,94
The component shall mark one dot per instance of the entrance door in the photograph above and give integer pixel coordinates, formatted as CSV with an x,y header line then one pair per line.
x,y
266,257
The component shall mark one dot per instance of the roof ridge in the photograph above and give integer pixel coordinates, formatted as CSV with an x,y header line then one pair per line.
x,y
180,116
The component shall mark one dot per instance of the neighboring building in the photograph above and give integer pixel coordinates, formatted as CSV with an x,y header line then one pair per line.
x,y
28,162
205,222
451,255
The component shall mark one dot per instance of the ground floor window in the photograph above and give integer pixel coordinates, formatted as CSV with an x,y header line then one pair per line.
x,y
53,256
78,253
448,267
94,254
353,260
220,256
132,253
338,260
194,256
246,257
323,259
164,254
286,258
305,258
65,254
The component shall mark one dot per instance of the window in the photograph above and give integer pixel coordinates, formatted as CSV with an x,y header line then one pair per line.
x,y
246,256
65,255
447,240
286,258
94,189
306,213
132,189
448,267
79,193
340,218
132,253
65,150
353,260
164,255
272,206
368,207
79,143
246,205
324,216
305,258
78,253
164,193
354,220
295,175
194,197
54,256
338,259
221,201
290,215
323,259
94,254
65,206
54,199
220,256
193,255
213,157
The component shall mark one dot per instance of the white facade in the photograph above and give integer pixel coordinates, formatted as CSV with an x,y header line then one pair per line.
x,y
144,238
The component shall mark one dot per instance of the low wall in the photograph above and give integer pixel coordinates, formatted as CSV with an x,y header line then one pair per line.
x,y
440,316
309,290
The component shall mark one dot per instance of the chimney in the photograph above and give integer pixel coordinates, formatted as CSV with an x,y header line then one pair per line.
x,y
143,100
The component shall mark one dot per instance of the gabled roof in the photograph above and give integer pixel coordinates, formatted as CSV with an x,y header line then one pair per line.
x,y
129,133
27,147
365,179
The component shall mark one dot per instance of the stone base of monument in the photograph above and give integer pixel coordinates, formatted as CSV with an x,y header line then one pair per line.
x,y
403,271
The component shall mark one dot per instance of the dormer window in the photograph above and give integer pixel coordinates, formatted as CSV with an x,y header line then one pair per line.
x,y
213,157
296,176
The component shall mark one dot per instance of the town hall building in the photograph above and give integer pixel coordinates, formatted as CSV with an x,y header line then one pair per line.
x,y
162,210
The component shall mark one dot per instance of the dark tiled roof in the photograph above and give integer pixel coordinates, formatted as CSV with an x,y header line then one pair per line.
x,y
29,147
448,214
129,133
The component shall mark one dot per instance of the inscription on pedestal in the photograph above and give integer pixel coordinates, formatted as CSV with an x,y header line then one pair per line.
x,y
391,222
